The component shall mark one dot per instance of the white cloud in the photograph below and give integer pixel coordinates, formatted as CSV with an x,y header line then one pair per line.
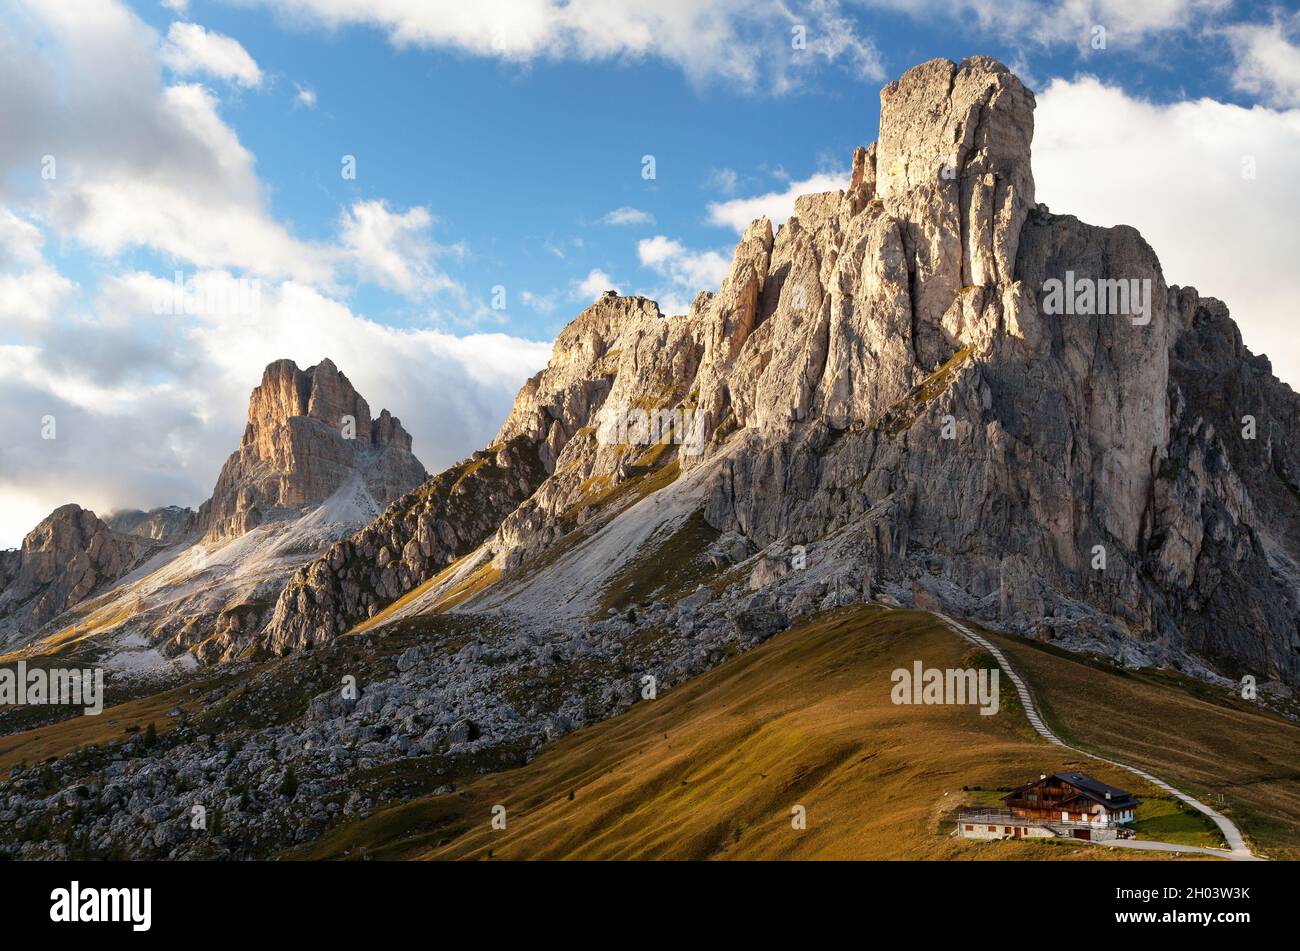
x,y
1050,22
304,96
694,270
168,174
20,241
628,216
31,291
121,370
190,49
140,164
542,303
745,42
724,180
395,250
595,284
1175,172
1268,60
739,213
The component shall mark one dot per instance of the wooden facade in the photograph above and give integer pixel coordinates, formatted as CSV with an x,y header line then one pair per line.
x,y
1072,797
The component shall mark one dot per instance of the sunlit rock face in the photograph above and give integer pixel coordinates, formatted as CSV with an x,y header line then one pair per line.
x,y
309,432
64,559
1004,408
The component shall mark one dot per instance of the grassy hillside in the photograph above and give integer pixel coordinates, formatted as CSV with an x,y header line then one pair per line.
x,y
713,768
1228,752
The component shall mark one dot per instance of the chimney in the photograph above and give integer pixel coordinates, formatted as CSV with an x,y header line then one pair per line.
x,y
1107,795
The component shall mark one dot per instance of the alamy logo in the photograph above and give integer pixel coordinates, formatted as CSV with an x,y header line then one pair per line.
x,y
930,685
103,904
1099,297
56,686
624,426
209,295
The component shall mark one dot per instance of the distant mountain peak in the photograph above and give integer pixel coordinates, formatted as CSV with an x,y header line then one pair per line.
x,y
308,432
65,558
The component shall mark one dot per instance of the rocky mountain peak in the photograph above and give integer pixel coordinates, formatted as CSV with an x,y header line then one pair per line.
x,y
309,434
164,524
975,118
65,558
884,383
321,393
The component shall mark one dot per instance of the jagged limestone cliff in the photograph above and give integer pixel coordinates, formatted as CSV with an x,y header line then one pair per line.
x,y
889,380
308,434
65,558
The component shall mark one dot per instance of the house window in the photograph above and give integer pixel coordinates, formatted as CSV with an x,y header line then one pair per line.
x,y
993,828
970,828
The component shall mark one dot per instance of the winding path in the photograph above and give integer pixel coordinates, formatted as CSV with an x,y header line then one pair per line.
x,y
1238,849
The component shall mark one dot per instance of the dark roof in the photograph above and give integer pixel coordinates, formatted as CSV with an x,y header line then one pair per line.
x,y
1094,789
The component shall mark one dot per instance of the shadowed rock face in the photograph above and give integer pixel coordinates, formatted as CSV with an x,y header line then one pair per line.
x,y
887,375
166,524
308,434
64,559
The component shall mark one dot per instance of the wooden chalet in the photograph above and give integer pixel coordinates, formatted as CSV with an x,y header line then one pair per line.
x,y
1057,804
1072,797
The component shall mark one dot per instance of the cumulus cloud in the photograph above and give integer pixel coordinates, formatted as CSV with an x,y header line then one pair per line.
x,y
628,216
746,42
138,163
168,173
190,49
693,270
1048,22
777,206
594,284
31,290
165,395
394,249
1181,174
1268,60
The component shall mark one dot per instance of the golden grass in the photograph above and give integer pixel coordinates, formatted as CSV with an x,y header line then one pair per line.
x,y
67,736
713,768
474,583
93,624
1201,740
382,616
669,568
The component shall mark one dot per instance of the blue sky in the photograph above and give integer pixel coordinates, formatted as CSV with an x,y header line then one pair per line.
x,y
501,145
520,162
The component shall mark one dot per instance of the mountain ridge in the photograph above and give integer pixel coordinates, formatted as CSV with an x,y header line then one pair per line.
x,y
884,405
885,368
312,465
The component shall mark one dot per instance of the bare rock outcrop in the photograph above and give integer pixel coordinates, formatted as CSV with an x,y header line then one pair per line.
x,y
166,524
309,433
67,557
418,536
1003,408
